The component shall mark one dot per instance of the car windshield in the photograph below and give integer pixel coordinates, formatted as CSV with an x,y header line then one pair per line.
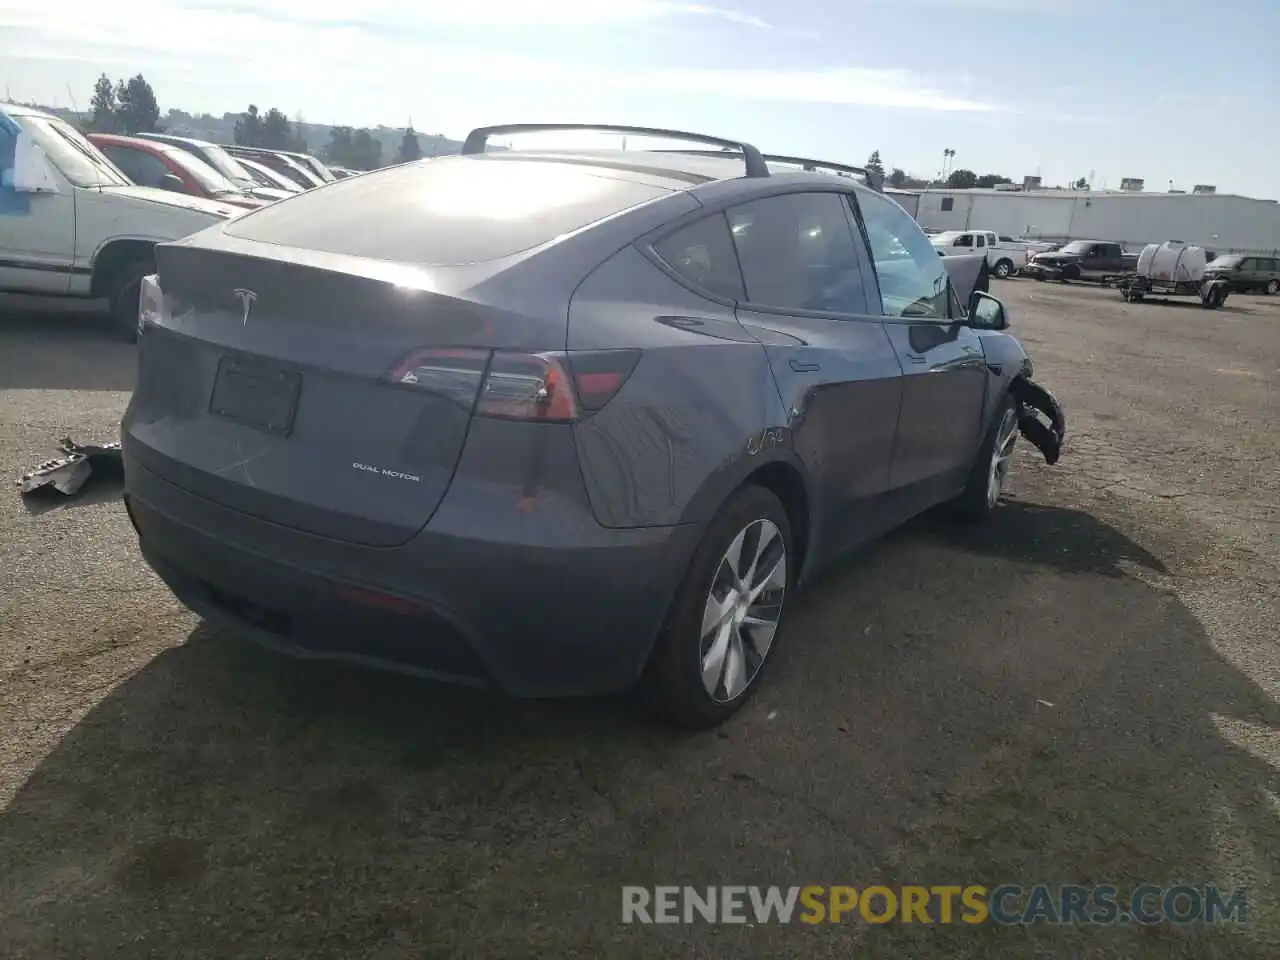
x,y
79,160
226,164
1077,247
205,175
1230,260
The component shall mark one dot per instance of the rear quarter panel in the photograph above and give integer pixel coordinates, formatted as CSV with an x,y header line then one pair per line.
x,y
687,426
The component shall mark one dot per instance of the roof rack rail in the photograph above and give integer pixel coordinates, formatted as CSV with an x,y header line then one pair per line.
x,y
755,161
873,180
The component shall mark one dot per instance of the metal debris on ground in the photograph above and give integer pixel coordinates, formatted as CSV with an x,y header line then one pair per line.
x,y
67,474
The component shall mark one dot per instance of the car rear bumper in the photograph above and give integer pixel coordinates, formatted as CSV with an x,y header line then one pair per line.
x,y
535,614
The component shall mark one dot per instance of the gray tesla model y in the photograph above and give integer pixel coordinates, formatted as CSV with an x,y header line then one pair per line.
x,y
559,421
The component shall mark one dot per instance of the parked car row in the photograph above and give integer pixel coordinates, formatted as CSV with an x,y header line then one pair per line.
x,y
73,224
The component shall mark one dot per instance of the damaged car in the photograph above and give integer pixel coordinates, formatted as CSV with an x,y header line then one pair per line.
x,y
567,422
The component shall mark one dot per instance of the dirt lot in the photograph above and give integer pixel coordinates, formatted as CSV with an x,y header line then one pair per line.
x,y
1085,692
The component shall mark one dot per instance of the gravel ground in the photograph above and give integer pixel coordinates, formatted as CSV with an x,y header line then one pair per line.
x,y
1083,692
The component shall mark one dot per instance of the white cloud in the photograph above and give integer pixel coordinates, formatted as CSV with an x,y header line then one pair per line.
x,y
308,41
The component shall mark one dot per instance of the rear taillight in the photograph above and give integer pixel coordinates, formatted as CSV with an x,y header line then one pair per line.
x,y
151,309
548,387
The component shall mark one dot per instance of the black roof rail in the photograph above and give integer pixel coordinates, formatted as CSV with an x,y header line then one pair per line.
x,y
873,180
755,162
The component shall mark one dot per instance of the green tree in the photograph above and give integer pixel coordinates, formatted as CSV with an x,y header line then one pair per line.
x,y
898,177
248,130
991,179
103,107
366,150
277,132
410,148
1082,184
138,111
338,150
875,165
962,179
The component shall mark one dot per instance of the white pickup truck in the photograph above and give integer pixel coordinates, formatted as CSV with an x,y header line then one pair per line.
x,y
72,225
1005,255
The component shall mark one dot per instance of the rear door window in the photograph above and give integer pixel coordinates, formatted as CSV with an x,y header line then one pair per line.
x,y
451,210
702,253
799,252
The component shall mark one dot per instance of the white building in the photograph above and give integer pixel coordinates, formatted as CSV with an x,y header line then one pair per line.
x,y
1220,222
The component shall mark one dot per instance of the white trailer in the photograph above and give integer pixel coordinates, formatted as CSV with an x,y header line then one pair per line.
x,y
1221,223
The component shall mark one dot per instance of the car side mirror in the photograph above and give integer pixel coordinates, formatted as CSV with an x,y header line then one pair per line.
x,y
172,182
32,171
986,312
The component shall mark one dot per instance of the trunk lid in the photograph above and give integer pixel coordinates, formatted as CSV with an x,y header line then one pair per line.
x,y
265,389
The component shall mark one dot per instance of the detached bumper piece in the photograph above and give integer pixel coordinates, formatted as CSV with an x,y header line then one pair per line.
x,y
67,474
1034,402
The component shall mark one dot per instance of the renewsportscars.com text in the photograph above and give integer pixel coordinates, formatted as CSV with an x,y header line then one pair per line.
x,y
1006,904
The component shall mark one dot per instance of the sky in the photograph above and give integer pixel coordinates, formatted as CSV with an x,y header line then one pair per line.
x,y
1168,91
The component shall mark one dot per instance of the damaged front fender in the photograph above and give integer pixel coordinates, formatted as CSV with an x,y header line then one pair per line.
x,y
1034,402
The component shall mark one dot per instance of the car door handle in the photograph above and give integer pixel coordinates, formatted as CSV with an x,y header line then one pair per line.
x,y
804,366
917,358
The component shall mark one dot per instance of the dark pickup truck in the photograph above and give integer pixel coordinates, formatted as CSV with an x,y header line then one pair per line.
x,y
1094,260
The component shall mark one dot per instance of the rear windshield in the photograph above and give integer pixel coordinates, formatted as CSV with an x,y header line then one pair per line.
x,y
1230,260
451,210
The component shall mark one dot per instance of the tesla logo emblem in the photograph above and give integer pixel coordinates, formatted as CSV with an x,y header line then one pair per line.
x,y
246,298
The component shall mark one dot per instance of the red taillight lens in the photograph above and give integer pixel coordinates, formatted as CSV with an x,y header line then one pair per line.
x,y
600,374
549,387
151,308
456,374
528,386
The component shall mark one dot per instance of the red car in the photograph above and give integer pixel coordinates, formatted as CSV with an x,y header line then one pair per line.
x,y
149,163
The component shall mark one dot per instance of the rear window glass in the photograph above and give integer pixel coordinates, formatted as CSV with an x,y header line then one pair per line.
x,y
448,211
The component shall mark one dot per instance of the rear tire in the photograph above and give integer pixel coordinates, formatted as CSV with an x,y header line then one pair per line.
x,y
123,294
1003,269
1272,288
990,474
715,646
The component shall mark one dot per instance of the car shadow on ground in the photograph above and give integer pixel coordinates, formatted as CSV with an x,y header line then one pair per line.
x,y
1025,703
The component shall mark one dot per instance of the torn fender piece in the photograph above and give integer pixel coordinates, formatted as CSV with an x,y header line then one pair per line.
x,y
68,473
1034,401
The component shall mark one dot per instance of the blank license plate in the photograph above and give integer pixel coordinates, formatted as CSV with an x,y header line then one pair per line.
x,y
257,394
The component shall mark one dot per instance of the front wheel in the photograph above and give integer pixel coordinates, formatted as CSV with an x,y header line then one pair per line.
x,y
990,474
727,613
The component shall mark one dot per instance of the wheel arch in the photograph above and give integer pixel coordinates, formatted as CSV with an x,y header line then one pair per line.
x,y
114,256
780,472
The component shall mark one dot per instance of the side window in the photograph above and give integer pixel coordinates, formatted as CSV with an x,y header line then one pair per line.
x,y
123,158
151,170
702,253
982,241
799,252
964,240
1249,265
913,279
8,145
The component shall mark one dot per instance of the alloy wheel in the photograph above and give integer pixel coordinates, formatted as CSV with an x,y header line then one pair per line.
x,y
743,609
1001,454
